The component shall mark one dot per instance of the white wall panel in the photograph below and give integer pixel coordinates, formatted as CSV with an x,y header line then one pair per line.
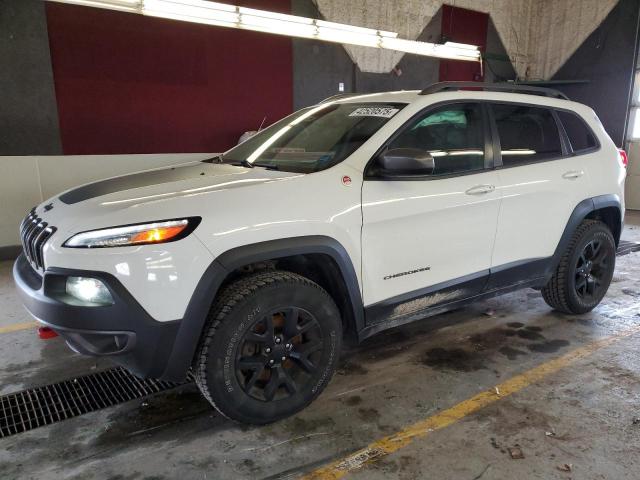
x,y
28,181
19,191
632,183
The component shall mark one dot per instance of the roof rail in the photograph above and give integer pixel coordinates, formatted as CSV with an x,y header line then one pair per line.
x,y
338,96
494,87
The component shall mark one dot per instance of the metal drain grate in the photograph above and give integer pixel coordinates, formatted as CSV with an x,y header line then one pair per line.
x,y
40,406
624,248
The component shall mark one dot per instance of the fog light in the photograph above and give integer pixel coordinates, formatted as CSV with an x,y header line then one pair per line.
x,y
89,290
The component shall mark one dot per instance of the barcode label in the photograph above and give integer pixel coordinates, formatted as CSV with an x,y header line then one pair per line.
x,y
384,112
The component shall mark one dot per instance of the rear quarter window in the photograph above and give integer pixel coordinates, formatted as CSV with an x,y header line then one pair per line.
x,y
580,135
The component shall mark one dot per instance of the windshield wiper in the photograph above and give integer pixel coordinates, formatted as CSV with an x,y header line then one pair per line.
x,y
268,166
219,159
245,163
216,159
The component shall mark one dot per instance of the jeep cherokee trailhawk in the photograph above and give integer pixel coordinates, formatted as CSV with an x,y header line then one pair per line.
x,y
358,214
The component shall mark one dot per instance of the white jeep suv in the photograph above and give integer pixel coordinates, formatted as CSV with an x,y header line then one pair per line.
x,y
346,218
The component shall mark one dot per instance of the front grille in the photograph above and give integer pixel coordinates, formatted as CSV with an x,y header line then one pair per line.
x,y
34,233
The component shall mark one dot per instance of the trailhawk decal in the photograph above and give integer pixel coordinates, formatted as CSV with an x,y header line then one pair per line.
x,y
410,272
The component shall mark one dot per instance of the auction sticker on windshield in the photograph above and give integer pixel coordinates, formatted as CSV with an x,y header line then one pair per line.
x,y
385,112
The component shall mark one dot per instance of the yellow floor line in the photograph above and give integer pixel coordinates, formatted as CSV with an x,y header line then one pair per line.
x,y
398,440
16,327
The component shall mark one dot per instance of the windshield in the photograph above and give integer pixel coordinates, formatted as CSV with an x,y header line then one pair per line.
x,y
315,138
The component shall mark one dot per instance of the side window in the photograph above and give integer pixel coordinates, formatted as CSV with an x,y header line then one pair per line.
x,y
453,135
527,134
580,135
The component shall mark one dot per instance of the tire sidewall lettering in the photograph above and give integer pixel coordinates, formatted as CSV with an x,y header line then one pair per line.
x,y
327,371
228,370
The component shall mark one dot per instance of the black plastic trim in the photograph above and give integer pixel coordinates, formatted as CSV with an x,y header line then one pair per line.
x,y
529,272
441,308
387,311
565,144
90,329
493,87
514,273
191,328
580,212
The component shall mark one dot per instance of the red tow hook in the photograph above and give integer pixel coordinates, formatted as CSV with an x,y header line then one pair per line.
x,y
45,333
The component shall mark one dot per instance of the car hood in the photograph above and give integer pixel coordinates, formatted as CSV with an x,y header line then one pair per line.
x,y
167,182
162,190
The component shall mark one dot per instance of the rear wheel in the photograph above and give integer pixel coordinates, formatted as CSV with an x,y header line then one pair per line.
x,y
270,348
585,270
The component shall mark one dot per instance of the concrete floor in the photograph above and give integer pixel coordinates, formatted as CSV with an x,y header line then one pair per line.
x,y
591,407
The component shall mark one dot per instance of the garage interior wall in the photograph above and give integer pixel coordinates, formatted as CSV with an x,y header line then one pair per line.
x,y
84,81
133,84
605,62
28,114
130,84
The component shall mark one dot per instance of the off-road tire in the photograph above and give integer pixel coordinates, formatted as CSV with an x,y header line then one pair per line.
x,y
234,316
560,292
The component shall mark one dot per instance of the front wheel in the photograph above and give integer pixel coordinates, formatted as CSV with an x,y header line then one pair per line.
x,y
270,347
585,270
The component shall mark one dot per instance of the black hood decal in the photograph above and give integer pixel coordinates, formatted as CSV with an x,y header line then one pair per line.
x,y
136,180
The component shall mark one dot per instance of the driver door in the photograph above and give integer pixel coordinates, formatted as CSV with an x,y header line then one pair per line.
x,y
428,239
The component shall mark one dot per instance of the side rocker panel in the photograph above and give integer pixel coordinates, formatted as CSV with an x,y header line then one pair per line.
x,y
197,311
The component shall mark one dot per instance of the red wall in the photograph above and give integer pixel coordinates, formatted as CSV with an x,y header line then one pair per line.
x,y
132,84
463,26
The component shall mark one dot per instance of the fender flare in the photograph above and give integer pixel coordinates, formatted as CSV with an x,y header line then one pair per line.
x,y
193,322
582,210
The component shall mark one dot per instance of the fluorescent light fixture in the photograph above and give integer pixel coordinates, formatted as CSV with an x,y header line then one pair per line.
x,y
132,6
460,45
231,16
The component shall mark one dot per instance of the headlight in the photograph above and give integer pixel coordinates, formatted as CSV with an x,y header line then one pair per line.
x,y
139,234
88,290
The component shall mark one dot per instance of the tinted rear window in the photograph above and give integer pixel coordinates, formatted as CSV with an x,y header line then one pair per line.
x,y
527,134
580,136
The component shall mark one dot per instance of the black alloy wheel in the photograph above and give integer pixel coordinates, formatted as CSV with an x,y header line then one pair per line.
x,y
280,350
591,267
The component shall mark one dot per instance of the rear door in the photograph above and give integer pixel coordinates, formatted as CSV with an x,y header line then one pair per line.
x,y
541,181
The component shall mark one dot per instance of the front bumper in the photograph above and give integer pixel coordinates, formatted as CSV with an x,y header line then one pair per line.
x,y
123,331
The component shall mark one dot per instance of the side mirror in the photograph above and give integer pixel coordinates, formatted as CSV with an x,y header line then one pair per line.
x,y
401,162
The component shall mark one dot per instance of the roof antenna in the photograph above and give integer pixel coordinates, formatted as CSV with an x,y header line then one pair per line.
x,y
263,120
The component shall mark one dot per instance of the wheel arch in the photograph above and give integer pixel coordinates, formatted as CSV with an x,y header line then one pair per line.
x,y
335,273
606,208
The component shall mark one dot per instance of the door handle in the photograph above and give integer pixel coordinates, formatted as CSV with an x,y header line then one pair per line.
x,y
572,174
480,189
